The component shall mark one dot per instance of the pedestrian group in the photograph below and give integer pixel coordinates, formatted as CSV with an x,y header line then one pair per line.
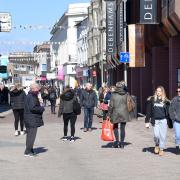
x,y
112,103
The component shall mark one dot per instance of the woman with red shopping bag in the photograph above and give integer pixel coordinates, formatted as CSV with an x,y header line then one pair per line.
x,y
118,112
107,131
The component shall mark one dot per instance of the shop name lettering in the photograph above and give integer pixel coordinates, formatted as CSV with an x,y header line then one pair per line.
x,y
148,9
110,27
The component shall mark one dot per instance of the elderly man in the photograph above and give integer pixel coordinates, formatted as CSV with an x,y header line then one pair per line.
x,y
32,117
88,101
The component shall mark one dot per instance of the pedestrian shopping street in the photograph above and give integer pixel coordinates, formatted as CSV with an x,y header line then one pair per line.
x,y
88,158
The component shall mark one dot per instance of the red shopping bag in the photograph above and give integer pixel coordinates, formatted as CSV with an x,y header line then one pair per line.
x,y
107,131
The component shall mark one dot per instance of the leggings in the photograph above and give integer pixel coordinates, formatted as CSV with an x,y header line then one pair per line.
x,y
72,118
122,132
19,116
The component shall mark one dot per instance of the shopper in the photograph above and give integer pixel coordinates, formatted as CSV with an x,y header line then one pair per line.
x,y
174,112
104,99
118,112
17,99
157,114
66,109
33,112
89,102
52,99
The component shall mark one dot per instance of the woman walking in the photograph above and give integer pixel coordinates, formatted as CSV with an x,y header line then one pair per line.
x,y
66,109
118,112
157,114
104,99
17,99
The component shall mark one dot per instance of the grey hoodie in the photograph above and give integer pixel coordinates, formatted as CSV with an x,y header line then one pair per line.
x,y
174,109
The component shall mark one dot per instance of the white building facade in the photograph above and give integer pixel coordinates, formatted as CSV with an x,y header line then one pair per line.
x,y
64,41
82,52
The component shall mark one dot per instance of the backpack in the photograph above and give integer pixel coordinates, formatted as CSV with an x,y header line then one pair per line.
x,y
52,96
130,103
76,107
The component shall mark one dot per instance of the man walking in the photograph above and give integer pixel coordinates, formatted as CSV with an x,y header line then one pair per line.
x,y
32,117
174,112
89,102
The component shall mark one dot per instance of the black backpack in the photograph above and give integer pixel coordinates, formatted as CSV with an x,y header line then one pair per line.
x,y
52,96
76,107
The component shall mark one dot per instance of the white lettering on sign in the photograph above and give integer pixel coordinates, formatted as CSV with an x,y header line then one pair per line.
x,y
148,11
110,26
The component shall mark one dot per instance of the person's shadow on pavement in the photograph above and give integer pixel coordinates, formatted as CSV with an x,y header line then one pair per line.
x,y
111,145
151,150
148,149
40,150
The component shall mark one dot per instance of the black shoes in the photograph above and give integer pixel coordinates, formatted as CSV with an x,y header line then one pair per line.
x,y
122,145
118,145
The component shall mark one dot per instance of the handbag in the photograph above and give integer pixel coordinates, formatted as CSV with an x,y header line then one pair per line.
x,y
107,131
104,107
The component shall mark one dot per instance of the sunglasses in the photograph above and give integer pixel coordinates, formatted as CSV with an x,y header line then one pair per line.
x,y
178,91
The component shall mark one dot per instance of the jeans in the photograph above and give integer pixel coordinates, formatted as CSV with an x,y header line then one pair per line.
x,y
19,116
72,118
160,131
122,132
88,117
30,138
176,126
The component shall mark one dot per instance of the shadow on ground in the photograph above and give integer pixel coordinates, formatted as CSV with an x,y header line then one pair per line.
x,y
40,150
75,138
93,128
151,150
110,145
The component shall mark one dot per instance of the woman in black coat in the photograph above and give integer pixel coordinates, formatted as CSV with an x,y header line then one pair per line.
x,y
17,98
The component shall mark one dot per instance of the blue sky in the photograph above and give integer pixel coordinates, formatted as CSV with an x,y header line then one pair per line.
x,y
30,13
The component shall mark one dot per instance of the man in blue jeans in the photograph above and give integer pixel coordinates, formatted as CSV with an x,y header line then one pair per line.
x,y
174,112
89,102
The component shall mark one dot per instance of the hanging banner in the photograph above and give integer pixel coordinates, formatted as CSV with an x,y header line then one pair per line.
x,y
120,26
136,45
148,12
111,27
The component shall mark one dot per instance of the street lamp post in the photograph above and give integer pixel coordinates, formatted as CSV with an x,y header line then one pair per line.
x,y
125,42
102,30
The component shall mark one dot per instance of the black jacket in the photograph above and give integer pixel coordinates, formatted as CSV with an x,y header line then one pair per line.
x,y
152,113
88,99
17,99
66,102
33,111
174,109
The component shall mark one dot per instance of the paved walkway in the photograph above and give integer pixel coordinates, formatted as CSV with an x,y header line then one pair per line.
x,y
88,158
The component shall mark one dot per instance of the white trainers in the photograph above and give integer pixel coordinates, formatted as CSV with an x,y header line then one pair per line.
x,y
72,139
22,132
16,133
65,138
